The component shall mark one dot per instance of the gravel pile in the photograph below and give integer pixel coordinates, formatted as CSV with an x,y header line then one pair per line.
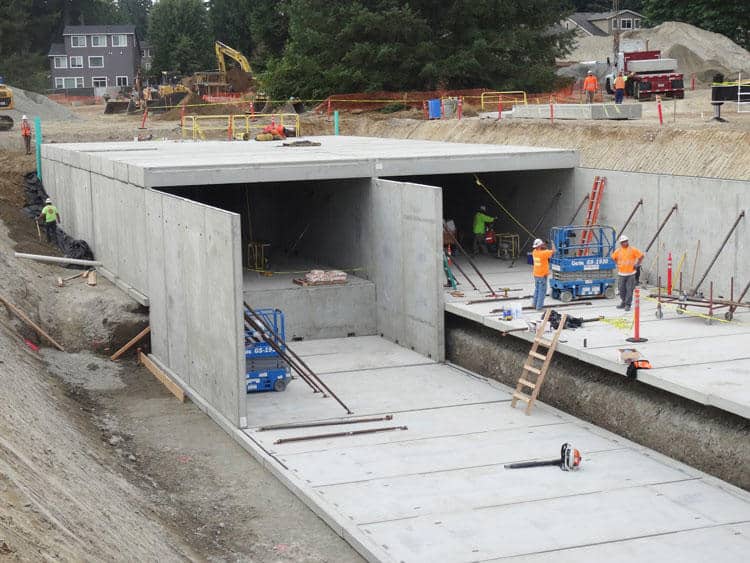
x,y
34,105
696,50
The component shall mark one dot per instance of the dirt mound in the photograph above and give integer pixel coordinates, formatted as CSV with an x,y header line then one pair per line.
x,y
34,105
194,105
696,50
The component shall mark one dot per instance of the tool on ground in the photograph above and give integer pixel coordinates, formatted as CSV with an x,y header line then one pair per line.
x,y
741,216
25,318
637,318
471,262
575,276
339,434
529,369
630,218
325,423
448,273
578,209
61,281
291,357
570,460
592,214
38,230
537,225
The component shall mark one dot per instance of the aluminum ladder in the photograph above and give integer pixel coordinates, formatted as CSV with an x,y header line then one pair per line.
x,y
592,213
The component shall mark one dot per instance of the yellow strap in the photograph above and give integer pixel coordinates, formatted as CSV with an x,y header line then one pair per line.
x,y
501,206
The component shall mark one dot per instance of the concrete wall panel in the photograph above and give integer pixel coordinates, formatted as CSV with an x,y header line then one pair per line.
x,y
175,290
130,220
406,263
105,241
155,267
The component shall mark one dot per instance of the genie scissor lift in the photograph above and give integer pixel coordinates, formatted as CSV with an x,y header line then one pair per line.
x,y
582,266
265,370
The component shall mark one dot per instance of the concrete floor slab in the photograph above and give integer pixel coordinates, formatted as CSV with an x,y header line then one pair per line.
x,y
438,491
707,363
155,164
579,111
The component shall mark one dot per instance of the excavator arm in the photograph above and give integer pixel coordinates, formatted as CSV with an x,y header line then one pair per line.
x,y
223,51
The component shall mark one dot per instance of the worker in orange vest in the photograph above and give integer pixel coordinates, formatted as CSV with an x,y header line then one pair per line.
x,y
26,133
627,258
619,87
590,86
541,257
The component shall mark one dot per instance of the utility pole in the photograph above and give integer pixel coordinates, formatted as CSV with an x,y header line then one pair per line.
x,y
615,35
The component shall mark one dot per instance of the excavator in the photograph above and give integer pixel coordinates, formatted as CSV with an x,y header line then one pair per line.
x,y
237,79
6,102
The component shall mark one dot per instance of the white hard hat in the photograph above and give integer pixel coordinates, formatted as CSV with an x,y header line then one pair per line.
x,y
590,72
623,238
538,242
24,117
48,200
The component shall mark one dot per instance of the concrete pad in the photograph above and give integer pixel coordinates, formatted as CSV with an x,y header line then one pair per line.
x,y
555,524
154,164
579,111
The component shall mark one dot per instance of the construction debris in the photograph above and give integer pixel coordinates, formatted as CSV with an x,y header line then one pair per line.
x,y
325,423
132,342
339,434
25,318
57,259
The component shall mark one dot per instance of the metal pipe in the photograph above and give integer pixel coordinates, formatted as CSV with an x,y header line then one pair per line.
x,y
58,260
338,434
538,224
559,305
653,240
580,206
293,354
630,217
718,252
471,262
324,423
468,279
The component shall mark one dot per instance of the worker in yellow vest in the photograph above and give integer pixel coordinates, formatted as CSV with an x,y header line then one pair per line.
x,y
50,217
479,228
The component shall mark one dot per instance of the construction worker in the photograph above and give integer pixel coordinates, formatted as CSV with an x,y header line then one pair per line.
x,y
480,227
619,87
50,217
627,258
590,86
541,256
26,133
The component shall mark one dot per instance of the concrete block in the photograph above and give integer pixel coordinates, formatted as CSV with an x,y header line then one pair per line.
x,y
579,111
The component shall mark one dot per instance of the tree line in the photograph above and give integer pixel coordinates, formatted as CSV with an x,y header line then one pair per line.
x,y
311,48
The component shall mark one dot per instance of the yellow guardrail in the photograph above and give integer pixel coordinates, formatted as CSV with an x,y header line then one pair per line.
x,y
237,126
512,96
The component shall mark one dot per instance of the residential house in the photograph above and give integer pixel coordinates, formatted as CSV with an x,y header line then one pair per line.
x,y
147,56
95,57
602,24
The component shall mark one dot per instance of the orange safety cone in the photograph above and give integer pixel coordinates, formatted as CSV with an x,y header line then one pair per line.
x,y
637,318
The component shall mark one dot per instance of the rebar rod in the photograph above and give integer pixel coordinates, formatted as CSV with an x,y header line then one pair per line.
x,y
471,262
653,240
630,217
718,252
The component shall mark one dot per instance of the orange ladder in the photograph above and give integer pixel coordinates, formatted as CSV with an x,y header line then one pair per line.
x,y
539,371
592,213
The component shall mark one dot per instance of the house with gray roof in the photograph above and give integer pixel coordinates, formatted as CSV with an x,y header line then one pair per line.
x,y
603,24
93,59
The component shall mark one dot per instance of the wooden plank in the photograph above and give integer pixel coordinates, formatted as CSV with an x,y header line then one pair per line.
x,y
25,318
532,369
523,398
130,343
91,278
527,383
173,388
538,356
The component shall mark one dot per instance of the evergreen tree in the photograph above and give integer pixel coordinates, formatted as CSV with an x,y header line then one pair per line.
x,y
136,12
179,35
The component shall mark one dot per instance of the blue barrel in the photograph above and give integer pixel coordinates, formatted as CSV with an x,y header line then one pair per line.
x,y
433,108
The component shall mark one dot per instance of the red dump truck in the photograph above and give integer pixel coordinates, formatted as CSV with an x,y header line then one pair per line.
x,y
648,75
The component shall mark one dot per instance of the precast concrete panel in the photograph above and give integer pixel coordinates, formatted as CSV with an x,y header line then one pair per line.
x,y
130,226
407,264
104,244
175,289
155,267
79,222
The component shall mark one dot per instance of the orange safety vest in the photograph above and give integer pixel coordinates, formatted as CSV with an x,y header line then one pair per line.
x,y
590,84
619,83
541,262
626,259
25,129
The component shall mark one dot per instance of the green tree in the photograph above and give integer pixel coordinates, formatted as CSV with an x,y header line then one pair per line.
x,y
179,34
136,12
728,17
230,23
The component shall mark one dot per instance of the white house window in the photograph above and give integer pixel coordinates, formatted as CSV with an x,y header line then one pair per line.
x,y
626,23
69,82
60,62
98,40
614,23
121,80
96,62
77,40
76,62
119,40
637,23
99,81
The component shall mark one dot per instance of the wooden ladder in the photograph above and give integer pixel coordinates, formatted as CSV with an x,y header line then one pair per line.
x,y
540,371
592,213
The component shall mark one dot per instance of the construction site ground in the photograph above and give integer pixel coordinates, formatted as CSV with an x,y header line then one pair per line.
x,y
98,459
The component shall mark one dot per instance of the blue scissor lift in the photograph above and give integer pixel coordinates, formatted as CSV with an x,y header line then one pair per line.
x,y
582,265
265,370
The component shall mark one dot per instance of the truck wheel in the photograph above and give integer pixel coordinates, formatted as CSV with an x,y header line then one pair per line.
x,y
279,385
566,296
609,293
